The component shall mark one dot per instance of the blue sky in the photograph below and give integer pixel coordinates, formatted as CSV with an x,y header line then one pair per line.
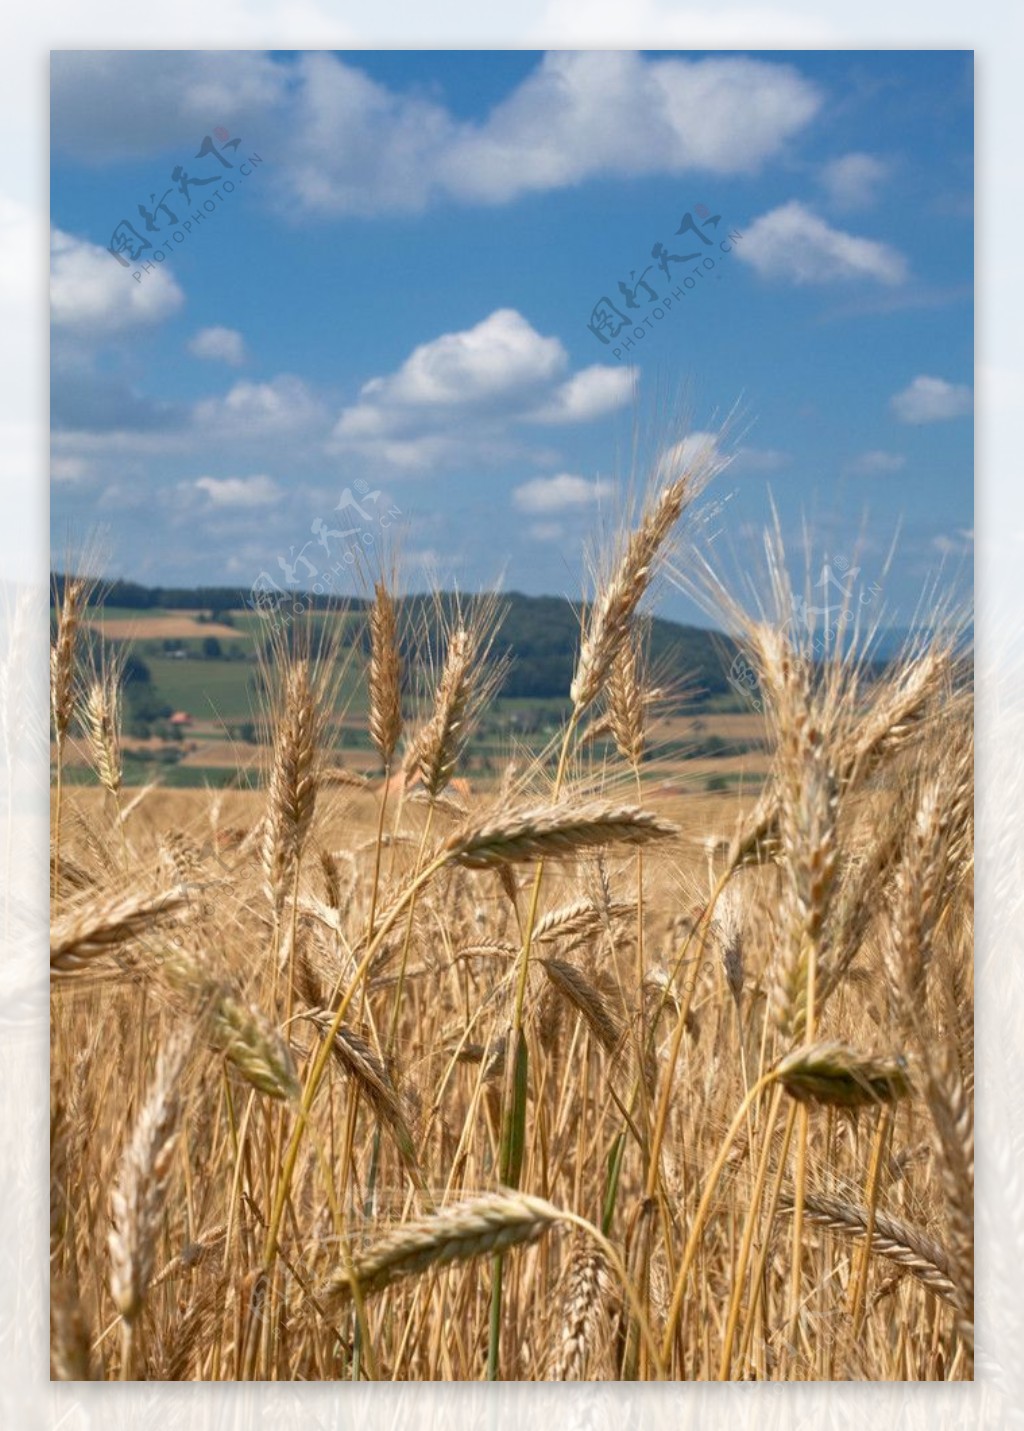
x,y
395,299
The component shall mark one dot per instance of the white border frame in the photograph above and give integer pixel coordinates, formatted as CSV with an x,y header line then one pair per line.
x,y
996,1399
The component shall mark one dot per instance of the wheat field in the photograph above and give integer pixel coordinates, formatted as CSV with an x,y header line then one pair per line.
x,y
384,1078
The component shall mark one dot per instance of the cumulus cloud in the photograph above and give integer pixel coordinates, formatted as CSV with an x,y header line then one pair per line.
x,y
853,181
561,493
92,295
359,146
500,356
466,392
257,491
68,469
793,244
589,393
931,400
283,405
123,104
696,447
876,463
616,113
222,345
278,421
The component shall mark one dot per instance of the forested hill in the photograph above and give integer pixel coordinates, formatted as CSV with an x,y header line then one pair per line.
x,y
541,633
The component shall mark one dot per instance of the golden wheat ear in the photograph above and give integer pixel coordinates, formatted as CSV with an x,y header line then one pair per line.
x,y
488,1224
891,1237
384,677
608,622
554,832
140,1190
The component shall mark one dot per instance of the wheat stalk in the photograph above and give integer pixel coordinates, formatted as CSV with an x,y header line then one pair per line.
x,y
953,1118
808,814
234,1027
574,985
293,778
94,929
554,832
608,621
490,1223
578,920
832,1073
626,703
362,1064
140,1190
252,1045
102,717
384,675
583,1316
63,656
899,1242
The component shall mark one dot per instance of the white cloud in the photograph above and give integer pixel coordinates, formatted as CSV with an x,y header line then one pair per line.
x,y
119,104
613,112
222,345
876,463
68,469
794,244
91,294
561,493
258,491
283,405
695,449
932,400
360,146
854,180
461,395
588,394
499,356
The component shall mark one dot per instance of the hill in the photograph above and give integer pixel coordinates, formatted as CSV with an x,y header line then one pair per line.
x,y
540,633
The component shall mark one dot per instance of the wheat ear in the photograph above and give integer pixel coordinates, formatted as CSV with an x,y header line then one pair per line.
x,y
554,832
94,929
385,675
921,1255
293,779
832,1073
487,1224
608,621
140,1190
